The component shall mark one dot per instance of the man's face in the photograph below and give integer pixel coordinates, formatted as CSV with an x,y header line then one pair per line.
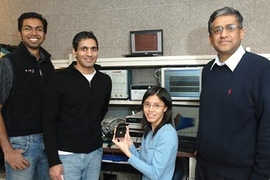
x,y
32,33
86,54
226,41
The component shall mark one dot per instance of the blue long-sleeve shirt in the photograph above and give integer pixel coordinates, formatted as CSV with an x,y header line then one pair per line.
x,y
157,155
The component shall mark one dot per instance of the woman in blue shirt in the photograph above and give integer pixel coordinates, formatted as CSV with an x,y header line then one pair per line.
x,y
157,154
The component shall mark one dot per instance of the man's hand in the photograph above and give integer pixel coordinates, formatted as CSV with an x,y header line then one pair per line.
x,y
15,159
56,172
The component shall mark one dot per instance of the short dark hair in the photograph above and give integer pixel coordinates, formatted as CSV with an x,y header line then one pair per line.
x,y
32,15
165,97
83,35
223,12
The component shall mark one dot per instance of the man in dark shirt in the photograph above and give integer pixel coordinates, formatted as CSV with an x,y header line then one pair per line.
x,y
23,73
233,139
76,102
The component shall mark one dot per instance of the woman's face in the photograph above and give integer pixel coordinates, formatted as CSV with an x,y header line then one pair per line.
x,y
154,109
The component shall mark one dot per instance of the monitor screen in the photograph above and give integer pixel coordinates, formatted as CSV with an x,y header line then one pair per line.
x,y
148,42
183,83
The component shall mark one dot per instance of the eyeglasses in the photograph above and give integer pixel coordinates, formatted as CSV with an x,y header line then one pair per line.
x,y
228,28
154,106
85,48
30,29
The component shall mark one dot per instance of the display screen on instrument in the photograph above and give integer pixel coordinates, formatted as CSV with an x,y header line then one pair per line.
x,y
183,83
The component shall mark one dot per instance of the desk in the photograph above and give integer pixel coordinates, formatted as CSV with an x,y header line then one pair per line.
x,y
118,167
192,160
114,149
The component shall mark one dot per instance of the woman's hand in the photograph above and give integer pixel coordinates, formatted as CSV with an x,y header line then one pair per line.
x,y
123,143
129,141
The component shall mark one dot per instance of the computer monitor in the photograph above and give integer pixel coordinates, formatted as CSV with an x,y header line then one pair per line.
x,y
146,42
183,83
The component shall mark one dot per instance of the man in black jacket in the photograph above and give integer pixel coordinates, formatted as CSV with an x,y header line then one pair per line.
x,y
23,73
76,102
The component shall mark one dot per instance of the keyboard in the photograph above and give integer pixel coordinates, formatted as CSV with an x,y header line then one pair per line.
x,y
186,144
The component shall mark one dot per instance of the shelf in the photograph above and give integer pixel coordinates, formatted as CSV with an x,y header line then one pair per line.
x,y
194,60
186,103
128,102
143,61
155,61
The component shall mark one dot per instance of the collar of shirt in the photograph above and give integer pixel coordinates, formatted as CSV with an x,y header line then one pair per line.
x,y
232,61
89,77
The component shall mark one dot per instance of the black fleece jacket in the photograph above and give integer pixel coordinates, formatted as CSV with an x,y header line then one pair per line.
x,y
73,111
